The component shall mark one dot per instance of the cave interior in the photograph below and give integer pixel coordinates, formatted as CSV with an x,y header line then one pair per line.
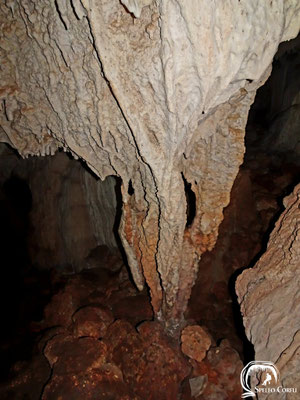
x,y
64,268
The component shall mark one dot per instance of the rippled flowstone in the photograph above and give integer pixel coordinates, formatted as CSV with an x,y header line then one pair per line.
x,y
156,93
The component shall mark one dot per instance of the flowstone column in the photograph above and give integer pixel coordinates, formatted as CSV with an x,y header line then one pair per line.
x,y
155,92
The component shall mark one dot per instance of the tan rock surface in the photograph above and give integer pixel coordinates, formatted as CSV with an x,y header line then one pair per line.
x,y
195,342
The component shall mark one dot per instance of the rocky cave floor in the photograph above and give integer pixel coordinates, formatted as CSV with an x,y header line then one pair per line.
x,y
90,335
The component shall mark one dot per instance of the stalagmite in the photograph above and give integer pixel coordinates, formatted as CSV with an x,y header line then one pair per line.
x,y
155,92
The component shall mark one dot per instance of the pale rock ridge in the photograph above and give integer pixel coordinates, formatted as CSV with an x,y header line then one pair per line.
x,y
270,298
146,99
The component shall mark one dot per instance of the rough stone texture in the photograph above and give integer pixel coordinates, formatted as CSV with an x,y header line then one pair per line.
x,y
92,321
195,342
28,381
80,370
72,213
147,99
134,309
269,297
216,377
113,359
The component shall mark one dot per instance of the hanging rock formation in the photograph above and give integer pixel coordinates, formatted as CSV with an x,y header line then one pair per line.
x,y
155,92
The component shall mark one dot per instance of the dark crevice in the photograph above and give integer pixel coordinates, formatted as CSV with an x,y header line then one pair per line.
x,y
74,10
5,110
248,348
190,202
130,188
60,15
127,11
117,222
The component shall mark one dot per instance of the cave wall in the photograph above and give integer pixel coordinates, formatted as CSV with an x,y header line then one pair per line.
x,y
269,297
72,211
148,91
282,89
277,106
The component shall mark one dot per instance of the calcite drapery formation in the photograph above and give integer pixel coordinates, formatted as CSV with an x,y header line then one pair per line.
x,y
154,92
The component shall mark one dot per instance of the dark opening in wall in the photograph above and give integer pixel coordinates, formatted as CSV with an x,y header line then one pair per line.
x,y
130,188
190,202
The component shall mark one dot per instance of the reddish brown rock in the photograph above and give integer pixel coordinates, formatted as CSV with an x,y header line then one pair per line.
x,y
195,342
162,366
71,355
117,333
29,380
64,304
49,334
92,321
151,365
76,293
134,309
220,374
126,350
60,310
92,385
80,371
